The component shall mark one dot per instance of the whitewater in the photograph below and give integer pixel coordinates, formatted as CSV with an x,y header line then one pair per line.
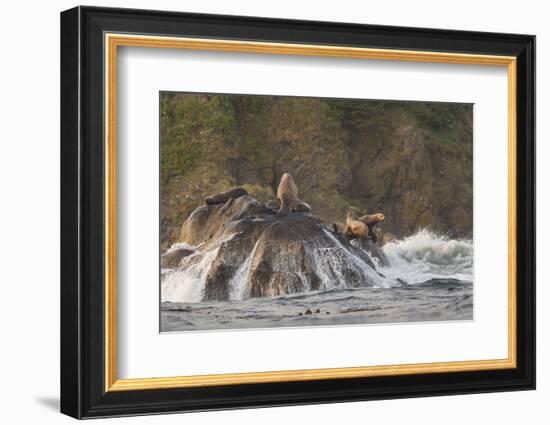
x,y
426,277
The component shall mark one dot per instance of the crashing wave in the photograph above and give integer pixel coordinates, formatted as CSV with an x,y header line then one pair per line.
x,y
425,255
187,283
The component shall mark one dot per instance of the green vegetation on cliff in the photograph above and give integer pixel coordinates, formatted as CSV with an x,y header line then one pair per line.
x,y
410,160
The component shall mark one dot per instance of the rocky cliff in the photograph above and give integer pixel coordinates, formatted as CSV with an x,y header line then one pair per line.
x,y
410,160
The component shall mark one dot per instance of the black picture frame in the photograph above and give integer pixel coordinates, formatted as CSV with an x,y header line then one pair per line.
x,y
83,392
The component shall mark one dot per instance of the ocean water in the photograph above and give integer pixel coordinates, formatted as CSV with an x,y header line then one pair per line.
x,y
429,278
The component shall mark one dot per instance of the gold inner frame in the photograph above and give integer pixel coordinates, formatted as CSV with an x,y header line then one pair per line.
x,y
113,41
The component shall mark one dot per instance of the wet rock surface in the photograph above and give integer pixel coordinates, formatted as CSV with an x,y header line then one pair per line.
x,y
173,258
252,253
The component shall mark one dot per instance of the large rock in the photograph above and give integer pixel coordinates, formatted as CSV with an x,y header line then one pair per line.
x,y
207,221
257,254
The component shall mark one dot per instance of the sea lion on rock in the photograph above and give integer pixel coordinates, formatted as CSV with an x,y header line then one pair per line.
x,y
356,228
371,220
221,198
287,195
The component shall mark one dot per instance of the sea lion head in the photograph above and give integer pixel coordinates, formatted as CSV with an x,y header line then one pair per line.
x,y
287,187
372,219
380,217
287,177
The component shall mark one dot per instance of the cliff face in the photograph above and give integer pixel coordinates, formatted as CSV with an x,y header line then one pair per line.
x,y
411,161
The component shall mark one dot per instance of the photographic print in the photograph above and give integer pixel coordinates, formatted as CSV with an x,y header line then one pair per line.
x,y
332,192
283,211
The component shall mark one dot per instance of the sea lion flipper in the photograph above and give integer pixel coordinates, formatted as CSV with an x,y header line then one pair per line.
x,y
301,206
284,209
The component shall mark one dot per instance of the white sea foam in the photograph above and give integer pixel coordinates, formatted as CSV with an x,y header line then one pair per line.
x,y
337,263
181,245
187,283
425,255
238,286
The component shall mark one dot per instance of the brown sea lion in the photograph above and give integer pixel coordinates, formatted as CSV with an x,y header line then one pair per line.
x,y
356,228
221,198
287,195
371,220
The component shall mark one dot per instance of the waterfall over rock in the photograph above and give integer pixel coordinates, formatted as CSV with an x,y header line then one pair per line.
x,y
240,249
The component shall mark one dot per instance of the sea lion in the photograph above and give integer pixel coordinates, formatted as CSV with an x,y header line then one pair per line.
x,y
371,220
287,195
221,198
356,228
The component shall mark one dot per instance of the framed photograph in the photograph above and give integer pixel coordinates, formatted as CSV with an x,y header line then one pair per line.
x,y
261,212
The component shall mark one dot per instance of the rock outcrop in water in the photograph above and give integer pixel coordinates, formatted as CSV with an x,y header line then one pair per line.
x,y
243,250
